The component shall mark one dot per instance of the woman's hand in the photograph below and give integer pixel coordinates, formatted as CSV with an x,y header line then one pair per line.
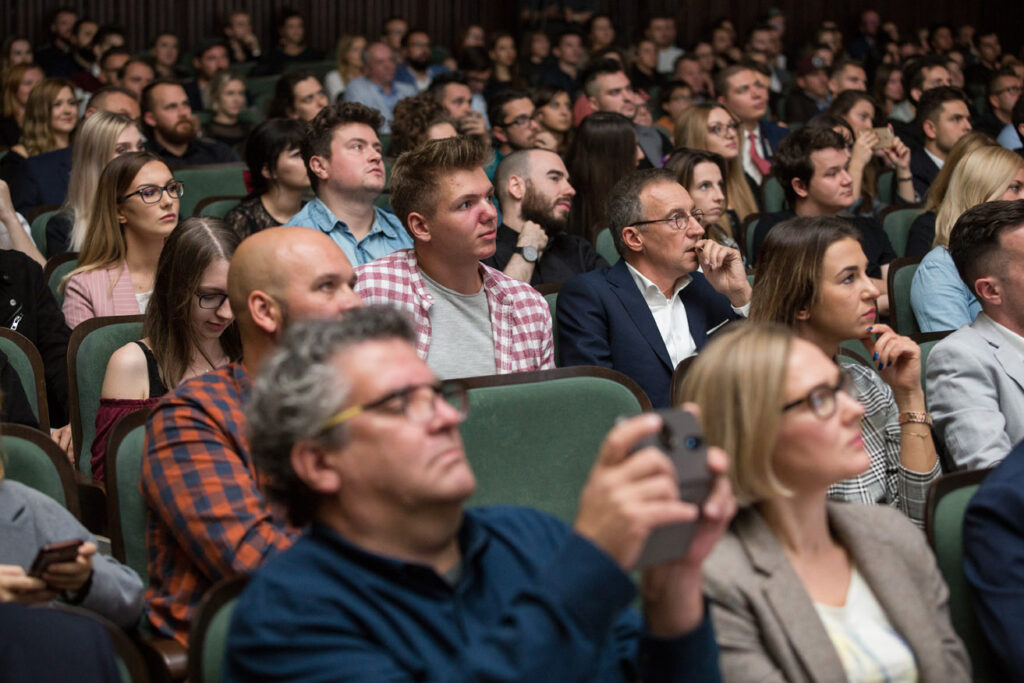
x,y
898,360
17,586
898,156
863,148
71,576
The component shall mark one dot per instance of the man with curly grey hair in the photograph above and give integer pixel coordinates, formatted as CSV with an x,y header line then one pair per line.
x,y
394,579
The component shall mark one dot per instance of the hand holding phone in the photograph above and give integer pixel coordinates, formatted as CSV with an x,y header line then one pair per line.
x,y
54,553
886,138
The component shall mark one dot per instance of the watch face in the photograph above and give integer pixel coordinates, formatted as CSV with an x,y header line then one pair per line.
x,y
530,254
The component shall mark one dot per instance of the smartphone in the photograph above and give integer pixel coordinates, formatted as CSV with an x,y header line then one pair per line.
x,y
54,553
682,440
885,138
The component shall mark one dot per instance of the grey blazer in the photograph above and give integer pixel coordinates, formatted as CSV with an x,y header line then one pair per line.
x,y
975,392
767,627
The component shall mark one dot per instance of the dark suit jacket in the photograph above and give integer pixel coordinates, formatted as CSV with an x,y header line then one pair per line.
x,y
195,97
772,134
604,320
42,180
924,171
994,560
800,106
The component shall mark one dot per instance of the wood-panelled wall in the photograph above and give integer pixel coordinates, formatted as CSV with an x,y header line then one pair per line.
x,y
327,19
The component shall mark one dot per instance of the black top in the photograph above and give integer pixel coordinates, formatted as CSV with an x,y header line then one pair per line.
x,y
15,407
873,239
250,216
10,131
156,385
27,306
565,256
199,151
58,233
233,135
922,234
641,81
800,107
273,62
557,77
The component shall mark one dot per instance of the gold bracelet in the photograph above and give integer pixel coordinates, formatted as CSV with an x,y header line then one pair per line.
x,y
911,417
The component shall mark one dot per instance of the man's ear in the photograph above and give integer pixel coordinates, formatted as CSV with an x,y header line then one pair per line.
x,y
801,188
149,119
318,165
265,312
928,128
516,187
989,289
418,227
499,134
632,239
592,101
312,463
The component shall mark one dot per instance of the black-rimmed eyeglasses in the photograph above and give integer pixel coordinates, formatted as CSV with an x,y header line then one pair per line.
x,y
677,221
150,194
822,398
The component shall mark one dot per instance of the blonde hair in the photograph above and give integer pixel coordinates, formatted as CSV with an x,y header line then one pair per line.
x,y
964,146
104,245
36,132
95,142
341,55
740,379
691,131
981,176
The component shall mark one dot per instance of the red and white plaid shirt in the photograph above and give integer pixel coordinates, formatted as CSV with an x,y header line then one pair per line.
x,y
520,318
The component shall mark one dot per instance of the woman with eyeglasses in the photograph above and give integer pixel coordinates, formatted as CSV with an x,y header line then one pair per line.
x,y
803,588
710,126
188,329
135,209
812,276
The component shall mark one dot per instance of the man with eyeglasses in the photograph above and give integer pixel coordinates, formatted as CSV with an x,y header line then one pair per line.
x,y
652,309
208,518
395,579
608,88
1003,90
173,132
513,125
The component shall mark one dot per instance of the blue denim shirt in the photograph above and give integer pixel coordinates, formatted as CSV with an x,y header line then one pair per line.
x,y
940,299
386,235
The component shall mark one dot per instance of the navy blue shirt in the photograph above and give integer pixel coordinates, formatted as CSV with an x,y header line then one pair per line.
x,y
534,602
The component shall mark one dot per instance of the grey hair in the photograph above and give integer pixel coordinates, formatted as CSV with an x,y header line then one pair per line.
x,y
624,205
298,390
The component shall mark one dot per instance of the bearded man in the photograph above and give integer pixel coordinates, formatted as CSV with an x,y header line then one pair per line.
x,y
173,131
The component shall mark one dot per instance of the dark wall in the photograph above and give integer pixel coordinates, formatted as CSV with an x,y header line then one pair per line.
x,y
327,19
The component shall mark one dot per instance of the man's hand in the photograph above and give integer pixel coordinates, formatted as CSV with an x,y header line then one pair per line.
x,y
723,268
532,235
16,586
472,124
71,576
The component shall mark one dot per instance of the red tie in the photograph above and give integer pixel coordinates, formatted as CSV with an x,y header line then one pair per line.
x,y
763,166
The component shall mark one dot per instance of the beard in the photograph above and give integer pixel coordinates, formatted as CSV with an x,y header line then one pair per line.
x,y
418,64
539,209
180,134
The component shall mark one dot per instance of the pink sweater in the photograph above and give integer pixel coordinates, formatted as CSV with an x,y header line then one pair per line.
x,y
89,295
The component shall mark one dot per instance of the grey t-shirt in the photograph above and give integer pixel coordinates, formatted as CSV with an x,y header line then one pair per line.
x,y
461,339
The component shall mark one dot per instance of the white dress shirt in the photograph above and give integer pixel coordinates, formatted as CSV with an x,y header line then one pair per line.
x,y
748,164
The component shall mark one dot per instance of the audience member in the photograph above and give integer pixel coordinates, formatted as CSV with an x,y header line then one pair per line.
x,y
847,74
378,88
55,57
501,48
919,76
297,95
746,98
940,298
174,135
676,97
812,276
115,100
888,89
291,47
811,165
243,45
51,116
643,74
403,528
801,587
990,53
922,231
513,122
1002,92
942,118
227,100
652,309
165,50
553,110
277,177
102,138
133,211
535,198
661,30
110,63
470,319
604,150
393,30
453,92
1013,137
416,69
811,97
992,551
475,66
711,127
974,375
568,53
29,520
349,60
702,173
600,32
14,50
345,164
418,120
187,331
135,75
210,56
196,445
18,82
535,55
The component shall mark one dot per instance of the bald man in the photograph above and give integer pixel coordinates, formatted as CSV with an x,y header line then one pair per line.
x,y
535,196
208,519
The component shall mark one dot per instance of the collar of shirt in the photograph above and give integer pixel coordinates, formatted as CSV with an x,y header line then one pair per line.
x,y
651,292
327,222
1012,338
938,162
748,163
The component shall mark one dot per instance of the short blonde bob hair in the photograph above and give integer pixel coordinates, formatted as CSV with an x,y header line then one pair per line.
x,y
740,379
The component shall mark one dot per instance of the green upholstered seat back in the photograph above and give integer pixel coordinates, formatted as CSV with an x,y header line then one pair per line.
x,y
214,180
534,444
217,207
131,509
774,195
18,355
39,228
896,224
901,310
57,275
606,247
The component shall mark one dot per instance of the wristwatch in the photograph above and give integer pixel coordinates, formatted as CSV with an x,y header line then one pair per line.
x,y
529,254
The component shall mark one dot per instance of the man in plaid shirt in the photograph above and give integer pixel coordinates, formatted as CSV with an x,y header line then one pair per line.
x,y
207,518
470,319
